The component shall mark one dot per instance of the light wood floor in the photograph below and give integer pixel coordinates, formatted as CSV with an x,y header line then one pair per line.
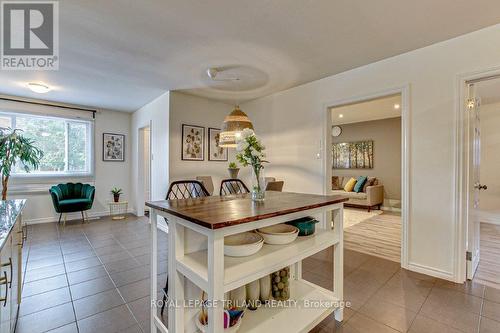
x,y
378,236
488,272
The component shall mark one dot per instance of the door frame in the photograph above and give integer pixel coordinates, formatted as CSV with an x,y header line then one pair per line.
x,y
140,166
462,159
404,91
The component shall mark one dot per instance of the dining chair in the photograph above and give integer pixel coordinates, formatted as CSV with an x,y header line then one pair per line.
x,y
182,189
275,186
232,186
207,182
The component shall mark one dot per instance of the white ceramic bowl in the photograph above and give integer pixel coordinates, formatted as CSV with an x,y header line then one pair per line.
x,y
204,328
279,234
242,245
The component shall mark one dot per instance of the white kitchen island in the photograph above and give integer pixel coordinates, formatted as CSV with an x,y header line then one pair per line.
x,y
197,228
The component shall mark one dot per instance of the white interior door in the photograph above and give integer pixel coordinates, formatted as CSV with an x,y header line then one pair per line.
x,y
475,186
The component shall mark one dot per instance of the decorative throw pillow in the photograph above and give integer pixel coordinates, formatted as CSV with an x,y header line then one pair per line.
x,y
360,184
350,185
336,182
369,182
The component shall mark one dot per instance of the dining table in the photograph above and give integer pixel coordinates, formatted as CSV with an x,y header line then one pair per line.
x,y
197,264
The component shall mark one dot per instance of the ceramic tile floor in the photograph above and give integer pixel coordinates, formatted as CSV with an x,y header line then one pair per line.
x,y
95,278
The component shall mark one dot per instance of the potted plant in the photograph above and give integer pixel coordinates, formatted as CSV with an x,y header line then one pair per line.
x,y
116,194
251,152
233,170
14,148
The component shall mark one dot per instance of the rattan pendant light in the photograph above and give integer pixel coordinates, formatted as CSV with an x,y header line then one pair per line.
x,y
233,125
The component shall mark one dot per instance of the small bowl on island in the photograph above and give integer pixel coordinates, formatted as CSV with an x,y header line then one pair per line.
x,y
279,234
243,244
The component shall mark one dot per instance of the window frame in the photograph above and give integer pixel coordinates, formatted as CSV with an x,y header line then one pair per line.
x,y
66,174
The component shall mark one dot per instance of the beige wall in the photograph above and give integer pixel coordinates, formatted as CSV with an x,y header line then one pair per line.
x,y
490,157
199,111
386,136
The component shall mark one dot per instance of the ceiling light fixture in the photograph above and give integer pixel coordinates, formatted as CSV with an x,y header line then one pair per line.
x,y
341,115
233,125
214,72
397,106
38,87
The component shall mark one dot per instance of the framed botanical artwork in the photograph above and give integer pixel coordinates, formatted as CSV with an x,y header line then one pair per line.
x,y
113,147
215,152
193,143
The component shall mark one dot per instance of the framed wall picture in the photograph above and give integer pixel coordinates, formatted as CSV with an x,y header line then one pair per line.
x,y
113,147
193,143
353,155
215,152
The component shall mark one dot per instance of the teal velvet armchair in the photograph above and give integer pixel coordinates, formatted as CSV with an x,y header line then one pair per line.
x,y
72,197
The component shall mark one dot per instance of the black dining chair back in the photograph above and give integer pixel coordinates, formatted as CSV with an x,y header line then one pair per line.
x,y
233,186
182,189
185,189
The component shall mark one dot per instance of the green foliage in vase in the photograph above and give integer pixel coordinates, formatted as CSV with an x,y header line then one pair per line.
x,y
232,165
14,148
116,191
251,151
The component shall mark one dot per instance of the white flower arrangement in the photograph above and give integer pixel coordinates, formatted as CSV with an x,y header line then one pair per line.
x,y
251,152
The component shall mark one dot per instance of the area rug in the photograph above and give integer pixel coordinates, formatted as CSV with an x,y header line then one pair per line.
x,y
355,216
378,235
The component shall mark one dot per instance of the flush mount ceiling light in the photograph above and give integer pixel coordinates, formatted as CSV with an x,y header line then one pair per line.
x,y
233,125
341,115
38,87
397,106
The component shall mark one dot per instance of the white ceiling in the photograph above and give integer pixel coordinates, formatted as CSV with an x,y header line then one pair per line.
x,y
376,109
122,54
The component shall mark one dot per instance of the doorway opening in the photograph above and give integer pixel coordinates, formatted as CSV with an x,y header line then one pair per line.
x,y
483,190
144,170
367,155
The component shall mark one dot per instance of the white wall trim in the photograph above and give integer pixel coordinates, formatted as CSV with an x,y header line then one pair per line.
x,y
404,91
489,217
461,170
422,269
72,216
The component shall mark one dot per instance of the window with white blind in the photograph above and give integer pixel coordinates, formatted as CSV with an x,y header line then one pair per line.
x,y
66,143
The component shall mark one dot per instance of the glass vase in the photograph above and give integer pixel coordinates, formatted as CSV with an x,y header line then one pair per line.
x,y
258,185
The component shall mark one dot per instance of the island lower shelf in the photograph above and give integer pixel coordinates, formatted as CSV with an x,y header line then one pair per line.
x,y
313,305
243,270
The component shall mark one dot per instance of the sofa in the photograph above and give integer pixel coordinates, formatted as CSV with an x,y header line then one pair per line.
x,y
370,197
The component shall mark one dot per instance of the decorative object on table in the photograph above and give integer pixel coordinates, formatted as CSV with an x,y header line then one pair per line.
x,y
14,148
336,131
306,225
113,147
116,193
353,155
215,151
251,152
72,197
253,295
243,244
233,126
279,234
193,143
232,186
265,288
118,210
281,284
233,170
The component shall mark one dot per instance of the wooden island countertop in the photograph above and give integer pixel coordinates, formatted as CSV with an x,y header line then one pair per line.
x,y
216,212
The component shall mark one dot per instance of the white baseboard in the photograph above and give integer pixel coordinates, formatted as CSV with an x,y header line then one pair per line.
x,y
434,272
392,205
71,216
